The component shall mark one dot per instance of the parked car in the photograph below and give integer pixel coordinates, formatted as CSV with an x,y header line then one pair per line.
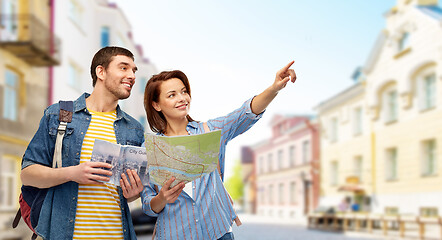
x,y
142,222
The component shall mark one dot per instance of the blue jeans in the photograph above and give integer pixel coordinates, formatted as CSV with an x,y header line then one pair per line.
x,y
227,236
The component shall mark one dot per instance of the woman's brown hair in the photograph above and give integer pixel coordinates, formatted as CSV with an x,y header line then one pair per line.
x,y
157,121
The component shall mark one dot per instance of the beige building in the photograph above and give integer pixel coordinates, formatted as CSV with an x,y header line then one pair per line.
x,y
381,138
27,49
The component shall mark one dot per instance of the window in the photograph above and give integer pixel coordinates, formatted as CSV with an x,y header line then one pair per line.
x,y
390,103
292,153
142,120
74,76
391,210
357,166
391,164
76,13
105,36
334,173
261,165
281,128
428,92
10,97
263,194
357,121
8,183
142,84
305,152
429,162
403,41
281,193
270,162
8,31
270,194
119,41
292,193
334,129
280,159
428,212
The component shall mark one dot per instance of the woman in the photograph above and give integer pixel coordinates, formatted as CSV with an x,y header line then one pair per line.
x,y
205,210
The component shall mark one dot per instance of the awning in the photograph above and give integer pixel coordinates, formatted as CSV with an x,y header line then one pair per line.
x,y
350,188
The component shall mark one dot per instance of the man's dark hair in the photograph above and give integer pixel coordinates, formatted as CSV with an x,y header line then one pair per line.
x,y
104,56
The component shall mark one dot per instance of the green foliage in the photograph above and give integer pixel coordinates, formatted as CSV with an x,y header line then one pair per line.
x,y
234,184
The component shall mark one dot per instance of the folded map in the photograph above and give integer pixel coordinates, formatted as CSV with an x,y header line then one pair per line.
x,y
184,157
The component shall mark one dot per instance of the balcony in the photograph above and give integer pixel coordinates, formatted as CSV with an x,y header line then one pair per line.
x,y
29,39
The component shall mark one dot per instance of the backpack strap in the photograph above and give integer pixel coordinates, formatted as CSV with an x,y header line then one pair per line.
x,y
65,117
16,219
34,236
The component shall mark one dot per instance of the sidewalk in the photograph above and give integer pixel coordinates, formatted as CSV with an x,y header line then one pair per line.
x,y
432,232
251,218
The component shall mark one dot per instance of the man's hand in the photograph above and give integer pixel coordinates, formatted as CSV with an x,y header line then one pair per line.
x,y
283,76
88,172
132,189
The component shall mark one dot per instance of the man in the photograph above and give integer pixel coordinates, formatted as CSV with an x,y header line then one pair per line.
x,y
77,206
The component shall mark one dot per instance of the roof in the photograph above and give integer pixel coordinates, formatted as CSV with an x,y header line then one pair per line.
x,y
432,11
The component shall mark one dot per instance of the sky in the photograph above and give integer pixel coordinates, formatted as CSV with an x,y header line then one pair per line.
x,y
231,50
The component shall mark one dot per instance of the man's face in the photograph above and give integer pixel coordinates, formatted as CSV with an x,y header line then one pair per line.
x,y
119,77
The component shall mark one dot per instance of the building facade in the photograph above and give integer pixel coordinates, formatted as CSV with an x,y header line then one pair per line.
x,y
27,48
36,70
85,27
381,137
286,169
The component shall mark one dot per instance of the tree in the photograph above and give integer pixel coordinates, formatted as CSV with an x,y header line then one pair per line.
x,y
234,184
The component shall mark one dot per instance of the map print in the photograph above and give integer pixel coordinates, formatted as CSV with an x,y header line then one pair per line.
x,y
184,157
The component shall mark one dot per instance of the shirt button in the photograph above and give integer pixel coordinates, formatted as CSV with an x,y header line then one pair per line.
x,y
71,220
193,204
78,154
73,198
194,187
197,220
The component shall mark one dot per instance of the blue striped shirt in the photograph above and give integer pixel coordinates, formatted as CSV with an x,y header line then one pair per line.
x,y
211,214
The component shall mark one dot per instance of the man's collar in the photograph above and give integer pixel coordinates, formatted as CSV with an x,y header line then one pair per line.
x,y
80,105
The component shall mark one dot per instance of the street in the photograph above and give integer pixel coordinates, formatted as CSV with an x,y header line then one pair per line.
x,y
259,228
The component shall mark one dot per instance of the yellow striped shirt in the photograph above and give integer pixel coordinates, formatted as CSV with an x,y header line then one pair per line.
x,y
98,208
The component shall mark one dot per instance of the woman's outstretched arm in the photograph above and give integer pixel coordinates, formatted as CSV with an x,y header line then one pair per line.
x,y
283,76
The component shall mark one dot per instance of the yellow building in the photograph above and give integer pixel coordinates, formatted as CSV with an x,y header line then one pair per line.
x,y
26,51
381,138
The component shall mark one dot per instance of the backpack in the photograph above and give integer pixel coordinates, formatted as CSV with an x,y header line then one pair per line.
x,y
31,198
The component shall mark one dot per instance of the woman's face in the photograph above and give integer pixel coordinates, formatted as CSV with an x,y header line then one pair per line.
x,y
174,100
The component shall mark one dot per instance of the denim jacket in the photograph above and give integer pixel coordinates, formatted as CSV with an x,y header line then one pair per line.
x,y
57,217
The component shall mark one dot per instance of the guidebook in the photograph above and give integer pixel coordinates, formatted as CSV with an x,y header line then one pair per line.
x,y
184,157
121,157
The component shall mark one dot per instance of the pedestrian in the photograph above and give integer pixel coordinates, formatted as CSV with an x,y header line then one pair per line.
x,y
205,210
77,206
